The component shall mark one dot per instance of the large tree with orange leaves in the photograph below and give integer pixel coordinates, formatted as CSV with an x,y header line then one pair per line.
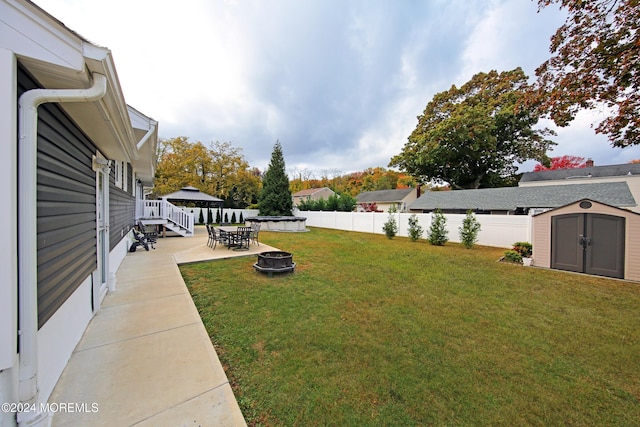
x,y
595,64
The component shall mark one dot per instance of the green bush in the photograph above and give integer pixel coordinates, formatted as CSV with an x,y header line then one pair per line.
x,y
390,227
525,249
437,231
512,256
469,230
415,230
335,202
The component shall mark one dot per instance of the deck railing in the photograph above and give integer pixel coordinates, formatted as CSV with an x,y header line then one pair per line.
x,y
162,209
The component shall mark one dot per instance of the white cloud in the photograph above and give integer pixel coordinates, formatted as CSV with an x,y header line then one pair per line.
x,y
338,82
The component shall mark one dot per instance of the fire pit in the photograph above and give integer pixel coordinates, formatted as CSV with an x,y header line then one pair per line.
x,y
275,262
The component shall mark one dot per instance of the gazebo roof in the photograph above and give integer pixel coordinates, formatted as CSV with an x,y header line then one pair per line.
x,y
192,194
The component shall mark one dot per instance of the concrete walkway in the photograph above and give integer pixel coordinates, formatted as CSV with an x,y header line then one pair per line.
x,y
146,358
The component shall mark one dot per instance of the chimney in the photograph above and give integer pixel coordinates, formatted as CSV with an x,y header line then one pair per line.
x,y
418,191
589,163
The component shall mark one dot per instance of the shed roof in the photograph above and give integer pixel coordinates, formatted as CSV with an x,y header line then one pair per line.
x,y
590,172
191,194
511,198
384,196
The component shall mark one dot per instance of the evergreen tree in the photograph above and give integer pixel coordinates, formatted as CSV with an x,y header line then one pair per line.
x,y
390,227
233,218
201,217
275,199
415,230
469,230
438,232
218,216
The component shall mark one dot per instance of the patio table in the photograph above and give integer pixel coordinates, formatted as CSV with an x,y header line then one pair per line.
x,y
232,240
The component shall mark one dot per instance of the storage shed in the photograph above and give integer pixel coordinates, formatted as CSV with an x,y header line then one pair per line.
x,y
588,237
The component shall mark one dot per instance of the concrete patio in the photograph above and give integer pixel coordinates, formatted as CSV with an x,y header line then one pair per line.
x,y
146,358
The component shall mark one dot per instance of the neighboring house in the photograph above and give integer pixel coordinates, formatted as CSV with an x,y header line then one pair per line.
x,y
523,200
629,173
312,194
385,199
75,161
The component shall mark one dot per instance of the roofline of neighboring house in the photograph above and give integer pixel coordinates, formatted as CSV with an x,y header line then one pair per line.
x,y
596,172
407,190
311,193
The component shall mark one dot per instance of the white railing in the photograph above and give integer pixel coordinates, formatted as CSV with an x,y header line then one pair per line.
x,y
497,230
161,209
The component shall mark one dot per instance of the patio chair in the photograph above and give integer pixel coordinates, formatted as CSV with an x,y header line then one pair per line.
x,y
255,230
241,238
222,237
150,235
211,234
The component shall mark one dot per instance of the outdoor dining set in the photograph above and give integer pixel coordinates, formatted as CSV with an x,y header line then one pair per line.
x,y
236,237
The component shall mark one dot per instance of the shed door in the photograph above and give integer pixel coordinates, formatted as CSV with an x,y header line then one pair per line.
x,y
588,243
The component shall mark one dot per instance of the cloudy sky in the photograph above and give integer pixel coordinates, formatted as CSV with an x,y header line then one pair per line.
x,y
338,82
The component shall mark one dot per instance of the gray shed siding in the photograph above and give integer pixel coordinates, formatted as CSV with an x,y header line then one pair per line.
x,y
66,205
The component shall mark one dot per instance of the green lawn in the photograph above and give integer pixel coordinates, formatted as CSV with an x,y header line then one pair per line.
x,y
376,332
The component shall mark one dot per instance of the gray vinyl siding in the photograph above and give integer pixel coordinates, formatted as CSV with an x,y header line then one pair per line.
x,y
122,208
66,205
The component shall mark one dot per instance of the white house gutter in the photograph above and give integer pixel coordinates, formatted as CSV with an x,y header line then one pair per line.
x,y
27,223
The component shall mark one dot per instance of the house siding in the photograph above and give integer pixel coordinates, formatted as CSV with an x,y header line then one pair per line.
x,y
122,209
66,205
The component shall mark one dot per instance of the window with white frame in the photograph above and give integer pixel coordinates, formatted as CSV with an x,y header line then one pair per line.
x,y
118,173
125,171
121,175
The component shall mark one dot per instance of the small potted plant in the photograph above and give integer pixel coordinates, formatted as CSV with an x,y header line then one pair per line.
x,y
525,249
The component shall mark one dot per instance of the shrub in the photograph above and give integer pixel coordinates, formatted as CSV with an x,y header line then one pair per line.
x,y
415,230
469,230
390,227
525,249
241,218
512,256
437,232
336,202
218,216
233,218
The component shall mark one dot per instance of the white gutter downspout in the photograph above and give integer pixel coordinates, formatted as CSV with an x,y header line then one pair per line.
x,y
27,226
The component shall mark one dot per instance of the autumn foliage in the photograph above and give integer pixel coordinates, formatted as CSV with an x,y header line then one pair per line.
x,y
562,162
594,65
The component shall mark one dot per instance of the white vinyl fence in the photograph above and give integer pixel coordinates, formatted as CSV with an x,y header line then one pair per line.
x,y
228,212
497,230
